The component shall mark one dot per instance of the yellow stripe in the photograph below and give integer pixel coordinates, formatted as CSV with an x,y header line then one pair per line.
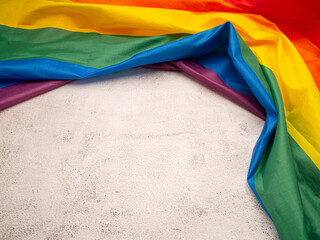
x,y
299,92
109,19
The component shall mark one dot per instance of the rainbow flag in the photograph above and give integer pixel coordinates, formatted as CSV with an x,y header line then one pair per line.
x,y
262,54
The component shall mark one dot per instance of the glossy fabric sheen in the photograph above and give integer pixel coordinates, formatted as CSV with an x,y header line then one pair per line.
x,y
203,43
299,22
284,170
270,46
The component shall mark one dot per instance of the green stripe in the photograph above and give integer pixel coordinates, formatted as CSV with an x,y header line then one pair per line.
x,y
87,49
275,177
289,181
286,179
309,186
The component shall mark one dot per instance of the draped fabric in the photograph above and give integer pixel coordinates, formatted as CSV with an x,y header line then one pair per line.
x,y
262,54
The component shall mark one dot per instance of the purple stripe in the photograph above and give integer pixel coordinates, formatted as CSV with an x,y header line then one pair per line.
x,y
20,92
212,79
163,66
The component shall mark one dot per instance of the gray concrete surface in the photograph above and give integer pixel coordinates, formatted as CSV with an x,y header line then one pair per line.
x,y
139,154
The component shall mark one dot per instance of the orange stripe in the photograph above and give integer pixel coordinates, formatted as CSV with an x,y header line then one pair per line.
x,y
308,51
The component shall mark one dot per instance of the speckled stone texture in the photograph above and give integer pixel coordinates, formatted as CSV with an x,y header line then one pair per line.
x,y
138,154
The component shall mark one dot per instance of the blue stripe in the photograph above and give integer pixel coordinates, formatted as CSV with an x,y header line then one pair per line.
x,y
222,64
263,97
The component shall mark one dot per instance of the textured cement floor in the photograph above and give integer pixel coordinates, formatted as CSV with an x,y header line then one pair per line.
x,y
139,154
